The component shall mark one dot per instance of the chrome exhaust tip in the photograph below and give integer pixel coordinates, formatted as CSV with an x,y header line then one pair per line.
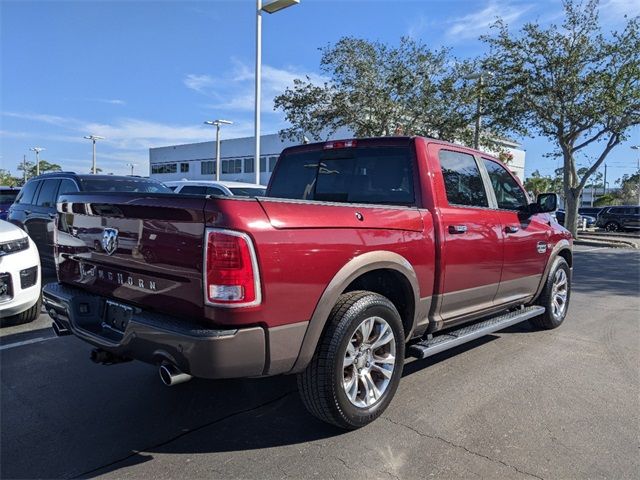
x,y
171,375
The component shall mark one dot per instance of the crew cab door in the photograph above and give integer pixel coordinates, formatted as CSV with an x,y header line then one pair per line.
x,y
525,237
471,240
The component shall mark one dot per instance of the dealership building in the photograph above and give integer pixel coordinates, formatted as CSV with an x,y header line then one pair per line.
x,y
197,161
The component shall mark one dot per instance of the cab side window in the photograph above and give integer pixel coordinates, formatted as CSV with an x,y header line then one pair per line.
x,y
27,193
508,193
48,193
462,179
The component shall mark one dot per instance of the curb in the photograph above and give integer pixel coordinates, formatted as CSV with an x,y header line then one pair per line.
x,y
602,243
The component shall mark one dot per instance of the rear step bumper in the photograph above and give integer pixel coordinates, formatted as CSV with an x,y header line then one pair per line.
x,y
156,338
452,339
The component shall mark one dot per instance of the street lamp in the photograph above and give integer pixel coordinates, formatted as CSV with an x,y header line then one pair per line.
x,y
132,165
637,147
217,124
93,138
270,7
480,76
37,150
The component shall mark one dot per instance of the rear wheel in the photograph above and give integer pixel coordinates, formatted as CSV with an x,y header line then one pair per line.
x,y
555,296
612,227
357,365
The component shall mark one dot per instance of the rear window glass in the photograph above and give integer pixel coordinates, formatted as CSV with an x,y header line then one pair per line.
x,y
248,191
8,196
376,175
122,185
27,193
194,189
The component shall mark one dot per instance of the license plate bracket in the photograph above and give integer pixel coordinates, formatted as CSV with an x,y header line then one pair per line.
x,y
117,315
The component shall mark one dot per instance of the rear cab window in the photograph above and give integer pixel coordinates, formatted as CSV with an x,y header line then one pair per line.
x,y
381,175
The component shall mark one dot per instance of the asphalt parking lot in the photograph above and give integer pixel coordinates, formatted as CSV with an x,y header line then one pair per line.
x,y
517,404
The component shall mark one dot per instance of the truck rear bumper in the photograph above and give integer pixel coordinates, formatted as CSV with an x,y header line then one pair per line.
x,y
156,338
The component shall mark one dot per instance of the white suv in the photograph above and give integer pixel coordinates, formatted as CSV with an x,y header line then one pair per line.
x,y
211,187
19,276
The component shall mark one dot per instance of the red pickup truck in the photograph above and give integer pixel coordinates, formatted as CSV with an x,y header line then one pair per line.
x,y
362,252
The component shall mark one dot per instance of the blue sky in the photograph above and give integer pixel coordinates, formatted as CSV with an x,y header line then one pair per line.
x,y
148,73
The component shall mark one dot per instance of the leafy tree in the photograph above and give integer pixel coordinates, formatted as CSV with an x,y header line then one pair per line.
x,y
537,184
30,168
378,90
607,199
629,188
569,83
7,179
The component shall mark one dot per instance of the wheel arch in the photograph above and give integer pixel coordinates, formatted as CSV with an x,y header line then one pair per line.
x,y
561,249
376,271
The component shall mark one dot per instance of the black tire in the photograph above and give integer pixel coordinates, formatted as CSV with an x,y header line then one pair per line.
x,y
27,316
321,383
550,320
612,227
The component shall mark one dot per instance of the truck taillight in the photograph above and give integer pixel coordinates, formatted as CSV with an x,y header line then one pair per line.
x,y
231,269
339,144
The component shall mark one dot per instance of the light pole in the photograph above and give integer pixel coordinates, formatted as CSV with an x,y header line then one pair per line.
x,y
637,147
93,138
217,124
37,150
480,77
132,165
270,7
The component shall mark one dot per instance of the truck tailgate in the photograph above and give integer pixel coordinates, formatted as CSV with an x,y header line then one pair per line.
x,y
143,249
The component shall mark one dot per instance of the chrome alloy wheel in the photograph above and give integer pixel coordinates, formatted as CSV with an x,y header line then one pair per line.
x,y
559,293
369,362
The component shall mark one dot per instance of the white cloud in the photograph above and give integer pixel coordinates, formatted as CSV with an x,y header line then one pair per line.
x,y
234,91
111,101
613,11
477,23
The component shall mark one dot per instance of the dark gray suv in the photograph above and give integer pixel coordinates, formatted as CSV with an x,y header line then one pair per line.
x,y
35,206
623,217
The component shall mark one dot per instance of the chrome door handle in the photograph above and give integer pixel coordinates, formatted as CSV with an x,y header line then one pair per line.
x,y
27,212
511,229
457,229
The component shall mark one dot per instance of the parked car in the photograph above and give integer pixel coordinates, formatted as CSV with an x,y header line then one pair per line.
x,y
7,197
35,207
361,251
591,221
590,211
20,298
624,217
210,187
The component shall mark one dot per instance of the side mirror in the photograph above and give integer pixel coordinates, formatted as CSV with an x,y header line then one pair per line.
x,y
546,202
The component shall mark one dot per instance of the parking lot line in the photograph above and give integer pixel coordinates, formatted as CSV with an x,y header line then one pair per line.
x,y
25,342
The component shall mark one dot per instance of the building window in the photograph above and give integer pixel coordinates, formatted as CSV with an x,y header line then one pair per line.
x,y
208,168
263,164
232,166
164,168
184,167
272,163
248,165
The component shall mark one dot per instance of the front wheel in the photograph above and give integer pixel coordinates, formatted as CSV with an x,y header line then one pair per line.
x,y
612,227
357,365
555,296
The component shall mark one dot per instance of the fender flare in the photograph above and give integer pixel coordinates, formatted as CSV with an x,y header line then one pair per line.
x,y
356,267
562,244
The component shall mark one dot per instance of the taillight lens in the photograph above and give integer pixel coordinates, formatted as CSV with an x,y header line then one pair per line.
x,y
339,144
231,270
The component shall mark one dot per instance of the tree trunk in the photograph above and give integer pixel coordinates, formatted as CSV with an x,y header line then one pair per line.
x,y
572,192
